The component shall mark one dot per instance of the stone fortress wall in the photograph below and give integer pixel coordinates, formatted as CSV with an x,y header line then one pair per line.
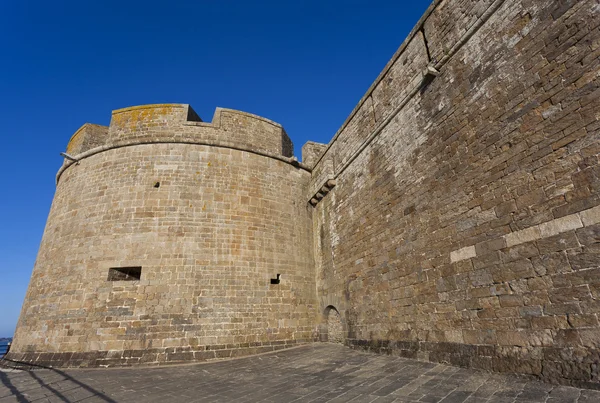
x,y
455,216
211,212
464,224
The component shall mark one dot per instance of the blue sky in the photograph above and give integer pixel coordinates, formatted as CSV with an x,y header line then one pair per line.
x,y
304,64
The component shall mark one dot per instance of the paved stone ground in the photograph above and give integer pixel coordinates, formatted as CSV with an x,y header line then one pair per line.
x,y
314,373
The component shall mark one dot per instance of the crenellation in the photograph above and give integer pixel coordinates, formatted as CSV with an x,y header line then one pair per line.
x,y
311,152
87,137
170,123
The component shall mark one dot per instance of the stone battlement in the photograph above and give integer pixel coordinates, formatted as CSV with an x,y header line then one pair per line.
x,y
179,123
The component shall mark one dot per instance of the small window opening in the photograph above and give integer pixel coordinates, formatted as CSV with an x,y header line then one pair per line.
x,y
276,280
157,185
124,273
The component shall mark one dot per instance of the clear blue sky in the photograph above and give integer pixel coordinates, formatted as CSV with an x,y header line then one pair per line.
x,y
304,64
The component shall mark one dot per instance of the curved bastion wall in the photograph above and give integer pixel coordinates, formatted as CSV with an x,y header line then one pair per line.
x,y
169,240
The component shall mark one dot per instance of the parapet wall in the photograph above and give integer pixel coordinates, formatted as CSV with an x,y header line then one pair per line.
x,y
173,123
179,122
464,223
87,137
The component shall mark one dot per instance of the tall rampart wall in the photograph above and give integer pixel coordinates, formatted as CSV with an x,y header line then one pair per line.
x,y
464,222
172,240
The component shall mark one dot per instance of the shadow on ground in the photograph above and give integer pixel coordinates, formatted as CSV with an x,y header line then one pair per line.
x,y
40,382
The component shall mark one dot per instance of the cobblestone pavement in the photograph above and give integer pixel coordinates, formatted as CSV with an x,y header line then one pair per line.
x,y
314,373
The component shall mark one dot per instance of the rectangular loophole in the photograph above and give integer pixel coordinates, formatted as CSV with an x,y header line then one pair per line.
x,y
124,273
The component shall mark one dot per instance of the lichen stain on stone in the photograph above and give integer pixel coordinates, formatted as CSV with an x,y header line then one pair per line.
x,y
75,141
131,117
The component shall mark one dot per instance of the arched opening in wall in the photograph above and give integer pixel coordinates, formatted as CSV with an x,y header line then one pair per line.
x,y
335,328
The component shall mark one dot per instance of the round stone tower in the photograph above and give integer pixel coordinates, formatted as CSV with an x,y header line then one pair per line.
x,y
171,239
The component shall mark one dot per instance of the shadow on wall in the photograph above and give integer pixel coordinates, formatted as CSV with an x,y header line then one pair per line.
x,y
335,327
78,387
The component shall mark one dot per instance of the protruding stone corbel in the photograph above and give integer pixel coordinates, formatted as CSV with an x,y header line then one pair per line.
x,y
431,72
70,158
323,191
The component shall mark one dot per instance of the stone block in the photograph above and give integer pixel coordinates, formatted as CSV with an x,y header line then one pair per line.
x,y
519,252
462,254
584,260
505,208
551,263
566,308
557,243
529,311
583,321
483,248
590,338
560,225
311,152
512,338
526,235
486,261
590,216
510,300
589,235
480,336
560,295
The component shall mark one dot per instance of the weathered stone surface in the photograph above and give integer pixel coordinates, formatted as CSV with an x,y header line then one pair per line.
x,y
311,152
496,161
462,254
452,218
87,137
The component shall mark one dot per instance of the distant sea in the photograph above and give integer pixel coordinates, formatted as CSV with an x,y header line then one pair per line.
x,y
3,345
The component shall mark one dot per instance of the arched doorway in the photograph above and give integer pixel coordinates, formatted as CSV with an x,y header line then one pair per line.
x,y
335,328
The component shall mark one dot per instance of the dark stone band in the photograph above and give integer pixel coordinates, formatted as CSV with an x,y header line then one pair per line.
x,y
567,366
157,356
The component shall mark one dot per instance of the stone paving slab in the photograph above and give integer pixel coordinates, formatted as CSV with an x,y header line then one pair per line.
x,y
314,373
